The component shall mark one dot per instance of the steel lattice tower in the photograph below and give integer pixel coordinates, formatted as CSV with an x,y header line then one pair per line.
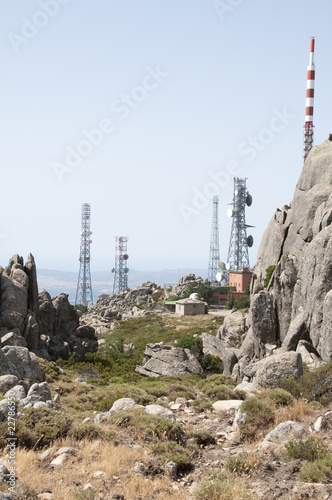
x,y
238,255
84,288
214,243
121,270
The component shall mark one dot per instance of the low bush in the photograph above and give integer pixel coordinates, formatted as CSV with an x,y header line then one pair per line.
x,y
37,428
200,405
280,397
243,463
51,369
90,432
318,471
212,364
203,437
222,486
309,449
242,303
314,385
149,427
259,415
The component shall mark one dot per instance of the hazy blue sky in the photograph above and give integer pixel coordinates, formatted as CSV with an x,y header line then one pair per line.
x,y
179,88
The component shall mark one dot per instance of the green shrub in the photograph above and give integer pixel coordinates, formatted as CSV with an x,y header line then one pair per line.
x,y
242,303
37,428
51,369
194,344
243,463
318,471
203,437
148,426
212,364
200,405
279,396
268,275
258,416
90,432
309,450
314,385
220,392
230,300
222,486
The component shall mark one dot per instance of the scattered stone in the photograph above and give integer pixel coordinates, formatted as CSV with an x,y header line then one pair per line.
x,y
159,411
123,404
224,406
285,432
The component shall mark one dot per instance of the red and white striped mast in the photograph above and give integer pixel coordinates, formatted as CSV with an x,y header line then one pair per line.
x,y
309,110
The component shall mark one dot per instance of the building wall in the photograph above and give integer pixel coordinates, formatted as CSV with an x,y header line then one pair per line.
x,y
240,280
185,309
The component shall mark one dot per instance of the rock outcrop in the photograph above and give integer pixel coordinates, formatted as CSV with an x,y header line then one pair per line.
x,y
169,361
44,326
298,242
188,279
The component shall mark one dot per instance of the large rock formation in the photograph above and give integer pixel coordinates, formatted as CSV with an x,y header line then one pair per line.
x,y
169,361
298,241
47,327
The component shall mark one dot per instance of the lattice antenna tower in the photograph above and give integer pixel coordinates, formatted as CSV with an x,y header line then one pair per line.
x,y
214,243
120,270
84,288
238,255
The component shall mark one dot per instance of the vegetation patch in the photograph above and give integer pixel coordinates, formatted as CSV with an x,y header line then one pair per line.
x,y
37,428
309,450
243,463
222,486
148,427
314,385
259,415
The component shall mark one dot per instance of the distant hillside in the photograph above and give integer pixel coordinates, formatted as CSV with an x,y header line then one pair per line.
x,y
56,282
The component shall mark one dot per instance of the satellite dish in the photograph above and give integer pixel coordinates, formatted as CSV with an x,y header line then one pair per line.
x,y
112,270
126,270
219,276
125,256
221,265
194,296
236,192
250,241
230,212
228,266
249,200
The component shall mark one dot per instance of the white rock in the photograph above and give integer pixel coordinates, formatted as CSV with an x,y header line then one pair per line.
x,y
285,432
159,411
123,404
66,450
231,404
60,460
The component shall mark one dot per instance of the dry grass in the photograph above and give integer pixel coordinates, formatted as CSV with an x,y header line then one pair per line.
x,y
298,411
66,482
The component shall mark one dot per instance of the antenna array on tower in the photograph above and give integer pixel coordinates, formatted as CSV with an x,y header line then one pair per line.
x,y
121,270
84,288
238,255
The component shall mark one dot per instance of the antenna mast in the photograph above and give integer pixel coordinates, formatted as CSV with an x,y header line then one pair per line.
x,y
238,255
309,110
214,243
84,288
121,270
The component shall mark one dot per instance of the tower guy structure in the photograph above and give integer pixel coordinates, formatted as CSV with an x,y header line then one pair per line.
x,y
84,288
238,255
309,110
214,243
120,270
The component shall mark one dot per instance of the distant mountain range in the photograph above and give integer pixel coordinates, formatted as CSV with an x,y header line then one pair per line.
x,y
56,282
